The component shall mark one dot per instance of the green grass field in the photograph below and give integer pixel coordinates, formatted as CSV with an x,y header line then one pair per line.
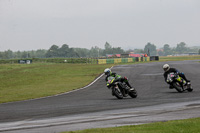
x,y
176,126
179,58
28,81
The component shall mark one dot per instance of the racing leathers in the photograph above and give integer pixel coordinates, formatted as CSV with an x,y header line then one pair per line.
x,y
117,78
181,74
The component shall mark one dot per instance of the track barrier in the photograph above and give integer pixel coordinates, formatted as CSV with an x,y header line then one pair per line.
x,y
127,60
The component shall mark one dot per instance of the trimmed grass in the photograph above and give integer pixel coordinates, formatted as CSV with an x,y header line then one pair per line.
x,y
179,58
28,81
176,126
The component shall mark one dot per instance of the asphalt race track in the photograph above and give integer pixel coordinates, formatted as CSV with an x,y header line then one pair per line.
x,y
94,106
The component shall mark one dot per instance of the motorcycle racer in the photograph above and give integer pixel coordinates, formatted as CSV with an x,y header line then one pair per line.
x,y
167,69
117,77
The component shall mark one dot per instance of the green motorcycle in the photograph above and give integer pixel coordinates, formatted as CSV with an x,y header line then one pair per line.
x,y
120,89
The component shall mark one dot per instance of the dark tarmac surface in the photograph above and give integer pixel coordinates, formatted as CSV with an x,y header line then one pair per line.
x,y
94,106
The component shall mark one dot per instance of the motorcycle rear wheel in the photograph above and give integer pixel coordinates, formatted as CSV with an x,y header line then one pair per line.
x,y
133,93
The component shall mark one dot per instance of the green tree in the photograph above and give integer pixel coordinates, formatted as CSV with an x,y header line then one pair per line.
x,y
73,53
8,54
1,55
24,54
18,54
139,51
118,50
64,51
181,48
82,52
107,46
40,53
167,50
108,49
53,51
111,50
150,49
161,53
95,52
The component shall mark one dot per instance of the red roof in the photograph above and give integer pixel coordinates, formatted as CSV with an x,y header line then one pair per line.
x,y
113,55
136,55
118,55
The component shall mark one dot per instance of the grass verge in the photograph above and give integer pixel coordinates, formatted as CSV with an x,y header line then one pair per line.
x,y
179,58
29,81
176,126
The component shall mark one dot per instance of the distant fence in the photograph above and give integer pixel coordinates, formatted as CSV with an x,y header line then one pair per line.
x,y
80,60
49,60
123,60
24,61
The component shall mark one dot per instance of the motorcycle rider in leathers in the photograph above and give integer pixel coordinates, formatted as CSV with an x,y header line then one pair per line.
x,y
168,70
117,77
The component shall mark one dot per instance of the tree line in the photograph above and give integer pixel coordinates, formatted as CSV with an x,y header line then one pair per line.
x,y
166,50
65,51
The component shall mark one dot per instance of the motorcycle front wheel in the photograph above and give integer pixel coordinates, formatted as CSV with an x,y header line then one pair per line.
x,y
178,87
189,89
116,92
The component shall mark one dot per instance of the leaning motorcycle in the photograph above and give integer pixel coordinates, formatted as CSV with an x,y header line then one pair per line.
x,y
179,83
120,89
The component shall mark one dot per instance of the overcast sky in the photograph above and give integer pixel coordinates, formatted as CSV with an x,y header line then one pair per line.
x,y
38,24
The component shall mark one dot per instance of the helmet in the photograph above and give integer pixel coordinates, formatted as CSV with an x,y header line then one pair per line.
x,y
107,71
166,67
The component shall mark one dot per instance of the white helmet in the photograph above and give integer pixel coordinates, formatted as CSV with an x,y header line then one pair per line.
x,y
166,67
107,71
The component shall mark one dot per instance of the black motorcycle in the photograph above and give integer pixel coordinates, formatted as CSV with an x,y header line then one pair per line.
x,y
120,89
179,83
